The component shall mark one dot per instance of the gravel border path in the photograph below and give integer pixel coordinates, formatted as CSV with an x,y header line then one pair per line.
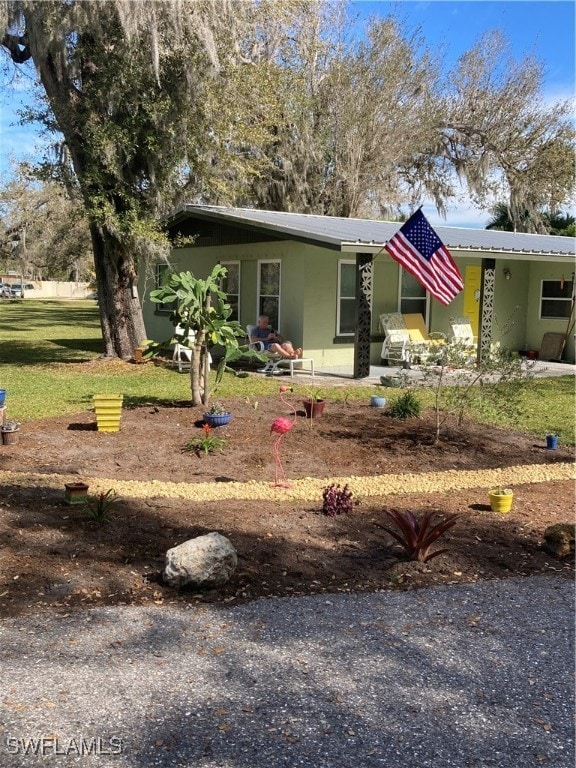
x,y
308,488
469,676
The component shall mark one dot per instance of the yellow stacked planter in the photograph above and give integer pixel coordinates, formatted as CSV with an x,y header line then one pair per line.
x,y
108,410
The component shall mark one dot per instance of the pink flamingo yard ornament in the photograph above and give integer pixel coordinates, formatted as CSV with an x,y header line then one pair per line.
x,y
280,426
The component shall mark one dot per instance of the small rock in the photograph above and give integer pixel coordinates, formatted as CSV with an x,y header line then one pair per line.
x,y
559,539
205,561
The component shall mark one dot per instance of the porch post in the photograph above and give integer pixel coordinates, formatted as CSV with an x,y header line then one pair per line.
x,y
486,308
364,275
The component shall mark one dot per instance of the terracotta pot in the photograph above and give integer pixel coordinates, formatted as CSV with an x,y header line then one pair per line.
x,y
313,408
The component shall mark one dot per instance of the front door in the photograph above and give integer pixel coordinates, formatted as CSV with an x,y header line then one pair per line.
x,y
472,281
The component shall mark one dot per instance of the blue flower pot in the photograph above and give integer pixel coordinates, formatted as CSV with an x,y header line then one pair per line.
x,y
217,419
551,442
377,401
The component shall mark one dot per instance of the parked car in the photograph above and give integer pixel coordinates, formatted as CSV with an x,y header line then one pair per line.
x,y
5,292
17,290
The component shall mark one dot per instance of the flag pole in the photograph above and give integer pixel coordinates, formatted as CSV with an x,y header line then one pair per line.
x,y
401,225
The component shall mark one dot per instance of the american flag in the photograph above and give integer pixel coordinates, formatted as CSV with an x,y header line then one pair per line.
x,y
417,247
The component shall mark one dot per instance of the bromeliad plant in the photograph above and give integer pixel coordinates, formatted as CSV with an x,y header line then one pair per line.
x,y
336,500
99,506
416,535
207,443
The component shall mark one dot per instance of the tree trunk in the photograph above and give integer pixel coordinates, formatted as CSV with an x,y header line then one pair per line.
x,y
120,311
121,316
196,374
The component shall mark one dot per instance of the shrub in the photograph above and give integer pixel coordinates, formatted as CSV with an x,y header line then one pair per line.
x,y
407,406
416,535
336,500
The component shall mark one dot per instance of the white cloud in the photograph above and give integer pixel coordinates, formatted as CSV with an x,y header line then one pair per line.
x,y
459,214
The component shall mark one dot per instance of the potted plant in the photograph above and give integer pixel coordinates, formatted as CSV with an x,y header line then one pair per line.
x,y
393,380
551,441
75,493
10,432
314,404
217,416
377,401
501,499
108,409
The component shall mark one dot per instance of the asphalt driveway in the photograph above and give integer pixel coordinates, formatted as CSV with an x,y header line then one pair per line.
x,y
466,676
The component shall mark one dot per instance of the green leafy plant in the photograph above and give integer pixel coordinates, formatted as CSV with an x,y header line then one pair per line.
x,y
407,406
336,500
314,394
417,534
207,443
201,307
99,506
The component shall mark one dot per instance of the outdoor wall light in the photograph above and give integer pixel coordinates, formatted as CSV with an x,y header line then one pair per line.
x,y
507,273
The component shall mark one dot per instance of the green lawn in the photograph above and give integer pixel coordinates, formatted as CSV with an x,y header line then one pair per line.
x,y
50,364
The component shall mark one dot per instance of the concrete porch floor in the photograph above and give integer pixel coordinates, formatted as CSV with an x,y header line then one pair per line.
x,y
343,374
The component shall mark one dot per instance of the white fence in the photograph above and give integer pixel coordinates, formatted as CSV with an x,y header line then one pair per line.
x,y
54,289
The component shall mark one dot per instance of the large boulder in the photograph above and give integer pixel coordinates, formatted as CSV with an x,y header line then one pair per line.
x,y
206,561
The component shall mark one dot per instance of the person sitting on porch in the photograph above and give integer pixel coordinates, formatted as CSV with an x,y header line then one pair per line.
x,y
273,341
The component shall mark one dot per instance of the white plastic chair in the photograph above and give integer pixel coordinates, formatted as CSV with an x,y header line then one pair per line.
x,y
396,345
462,332
182,354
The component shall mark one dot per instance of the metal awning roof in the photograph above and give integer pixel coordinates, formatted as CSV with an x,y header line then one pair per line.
x,y
370,236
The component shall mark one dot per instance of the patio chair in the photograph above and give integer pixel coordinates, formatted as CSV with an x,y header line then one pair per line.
x,y
396,346
182,354
462,332
424,345
276,362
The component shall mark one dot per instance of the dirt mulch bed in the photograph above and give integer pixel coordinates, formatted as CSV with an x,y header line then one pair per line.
x,y
52,556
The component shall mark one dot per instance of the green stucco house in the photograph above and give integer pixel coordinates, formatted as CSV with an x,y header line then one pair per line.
x,y
324,281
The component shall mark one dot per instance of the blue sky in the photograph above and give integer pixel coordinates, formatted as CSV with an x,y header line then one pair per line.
x,y
545,29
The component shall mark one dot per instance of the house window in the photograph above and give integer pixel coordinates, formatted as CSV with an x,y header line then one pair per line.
x,y
162,272
231,287
346,308
413,298
269,291
556,299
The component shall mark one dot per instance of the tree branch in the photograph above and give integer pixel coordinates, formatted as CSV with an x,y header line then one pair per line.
x,y
18,47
